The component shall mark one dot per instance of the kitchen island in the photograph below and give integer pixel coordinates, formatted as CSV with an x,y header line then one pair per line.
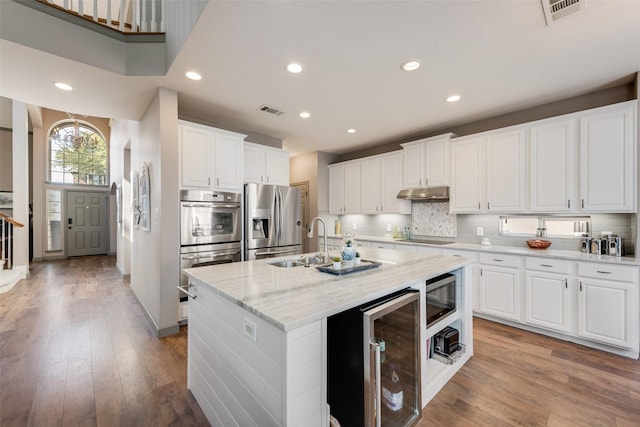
x,y
257,333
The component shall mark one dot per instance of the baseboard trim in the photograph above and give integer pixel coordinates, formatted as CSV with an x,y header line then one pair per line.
x,y
160,332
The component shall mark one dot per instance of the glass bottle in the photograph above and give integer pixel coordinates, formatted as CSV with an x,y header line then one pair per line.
x,y
392,394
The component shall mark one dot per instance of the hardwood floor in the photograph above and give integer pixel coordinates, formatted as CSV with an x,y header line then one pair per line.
x,y
75,349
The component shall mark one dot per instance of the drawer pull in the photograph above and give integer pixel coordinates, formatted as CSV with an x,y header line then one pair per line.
x,y
604,272
546,265
498,260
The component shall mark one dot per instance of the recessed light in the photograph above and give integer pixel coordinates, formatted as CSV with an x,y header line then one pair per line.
x,y
411,65
453,98
305,115
193,75
351,130
294,68
63,86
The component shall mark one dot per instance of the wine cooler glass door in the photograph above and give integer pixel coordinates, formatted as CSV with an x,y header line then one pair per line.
x,y
392,362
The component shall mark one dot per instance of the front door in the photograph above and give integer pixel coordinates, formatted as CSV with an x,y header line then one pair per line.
x,y
87,223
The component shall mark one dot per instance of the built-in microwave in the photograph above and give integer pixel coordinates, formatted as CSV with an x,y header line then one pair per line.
x,y
440,298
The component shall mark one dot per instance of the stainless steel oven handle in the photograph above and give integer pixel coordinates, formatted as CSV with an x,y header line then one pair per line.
x,y
210,205
182,289
217,254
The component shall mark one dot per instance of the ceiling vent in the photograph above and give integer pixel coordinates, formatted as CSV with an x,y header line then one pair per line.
x,y
557,9
271,110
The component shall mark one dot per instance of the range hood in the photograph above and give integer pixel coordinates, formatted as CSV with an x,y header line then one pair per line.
x,y
429,194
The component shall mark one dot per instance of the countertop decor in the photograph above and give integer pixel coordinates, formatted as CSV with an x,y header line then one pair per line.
x,y
538,244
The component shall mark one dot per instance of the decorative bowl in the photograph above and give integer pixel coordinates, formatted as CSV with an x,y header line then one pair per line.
x,y
538,244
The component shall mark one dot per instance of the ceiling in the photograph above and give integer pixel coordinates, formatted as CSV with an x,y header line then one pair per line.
x,y
500,56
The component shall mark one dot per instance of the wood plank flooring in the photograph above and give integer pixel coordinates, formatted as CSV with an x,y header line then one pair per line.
x,y
75,349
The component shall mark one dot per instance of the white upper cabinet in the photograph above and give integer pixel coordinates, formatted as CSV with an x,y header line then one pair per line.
x,y
345,188
382,180
607,159
426,162
552,161
210,158
467,175
506,171
265,165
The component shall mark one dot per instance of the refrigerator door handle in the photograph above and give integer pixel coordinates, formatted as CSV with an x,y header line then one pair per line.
x,y
378,395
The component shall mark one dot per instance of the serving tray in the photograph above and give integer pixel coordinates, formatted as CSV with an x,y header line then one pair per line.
x,y
364,265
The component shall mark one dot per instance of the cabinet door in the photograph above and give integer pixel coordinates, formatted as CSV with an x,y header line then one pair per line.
x,y
336,189
228,162
467,175
352,187
506,171
552,159
195,157
277,167
391,183
606,312
370,169
548,301
500,292
607,153
437,162
254,163
414,165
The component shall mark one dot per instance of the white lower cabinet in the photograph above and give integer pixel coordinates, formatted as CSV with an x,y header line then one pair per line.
x,y
608,304
500,294
548,301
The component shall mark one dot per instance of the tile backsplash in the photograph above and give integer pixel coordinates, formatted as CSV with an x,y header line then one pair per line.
x,y
432,219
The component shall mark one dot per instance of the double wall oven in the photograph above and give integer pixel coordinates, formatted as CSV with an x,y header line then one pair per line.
x,y
210,229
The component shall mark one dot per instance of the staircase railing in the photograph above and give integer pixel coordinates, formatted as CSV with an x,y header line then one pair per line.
x,y
6,234
127,16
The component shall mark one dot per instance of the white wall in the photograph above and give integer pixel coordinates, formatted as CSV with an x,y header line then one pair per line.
x,y
20,183
155,264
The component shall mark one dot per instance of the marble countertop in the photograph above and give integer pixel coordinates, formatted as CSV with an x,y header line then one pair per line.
x,y
509,250
292,297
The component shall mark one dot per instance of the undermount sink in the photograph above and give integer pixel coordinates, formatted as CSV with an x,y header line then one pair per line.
x,y
287,264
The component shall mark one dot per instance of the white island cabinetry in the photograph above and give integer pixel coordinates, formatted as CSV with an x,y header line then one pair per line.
x,y
258,333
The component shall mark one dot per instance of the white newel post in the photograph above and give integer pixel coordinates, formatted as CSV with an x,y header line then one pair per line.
x,y
121,24
153,15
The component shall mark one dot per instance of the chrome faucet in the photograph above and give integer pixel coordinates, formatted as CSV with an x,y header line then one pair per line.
x,y
310,234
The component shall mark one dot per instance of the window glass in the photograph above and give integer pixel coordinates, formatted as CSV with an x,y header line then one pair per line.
x,y
549,226
77,155
519,225
54,220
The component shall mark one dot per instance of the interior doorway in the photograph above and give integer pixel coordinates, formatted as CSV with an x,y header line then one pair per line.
x,y
87,223
304,209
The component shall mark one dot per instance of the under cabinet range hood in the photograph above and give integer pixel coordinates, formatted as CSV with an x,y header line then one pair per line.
x,y
429,194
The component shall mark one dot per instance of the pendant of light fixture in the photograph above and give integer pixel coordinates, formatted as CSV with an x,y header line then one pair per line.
x,y
76,140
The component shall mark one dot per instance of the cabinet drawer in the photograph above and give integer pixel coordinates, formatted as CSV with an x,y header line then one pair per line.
x,y
608,272
548,264
501,260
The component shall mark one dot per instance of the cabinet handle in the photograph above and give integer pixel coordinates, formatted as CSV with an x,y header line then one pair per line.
x,y
261,179
583,203
545,265
381,208
376,208
580,286
209,181
569,204
565,284
478,205
480,272
426,181
604,272
488,208
267,179
498,260
217,182
420,182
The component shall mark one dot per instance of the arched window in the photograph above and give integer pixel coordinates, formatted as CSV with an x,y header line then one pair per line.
x,y
77,154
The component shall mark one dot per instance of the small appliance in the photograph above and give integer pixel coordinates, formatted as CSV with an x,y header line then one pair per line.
x,y
447,341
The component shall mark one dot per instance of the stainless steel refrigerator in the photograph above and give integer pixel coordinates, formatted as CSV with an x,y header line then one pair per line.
x,y
273,222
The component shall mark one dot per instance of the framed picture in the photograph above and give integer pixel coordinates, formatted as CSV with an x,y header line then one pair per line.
x,y
135,205
6,200
145,199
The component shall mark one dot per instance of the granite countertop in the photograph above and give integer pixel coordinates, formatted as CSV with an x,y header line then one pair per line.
x,y
508,250
292,297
